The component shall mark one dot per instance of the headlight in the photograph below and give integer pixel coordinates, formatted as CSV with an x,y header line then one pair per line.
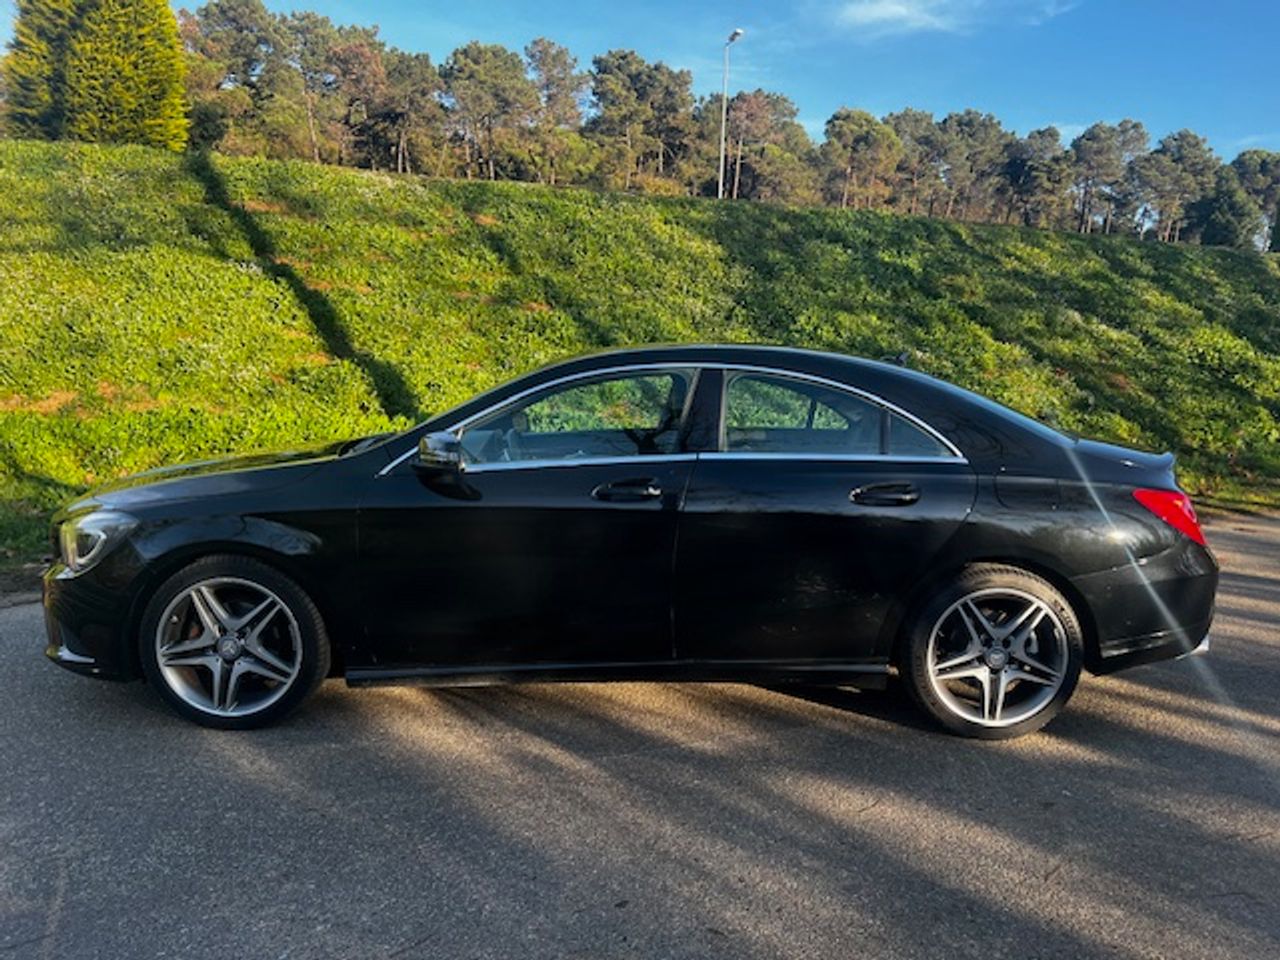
x,y
84,540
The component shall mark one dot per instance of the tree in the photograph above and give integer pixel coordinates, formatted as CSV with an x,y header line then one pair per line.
x,y
412,108
560,88
1035,177
124,76
1180,169
311,39
769,151
488,94
1101,157
33,70
973,153
864,152
1259,173
918,175
645,109
1227,216
361,86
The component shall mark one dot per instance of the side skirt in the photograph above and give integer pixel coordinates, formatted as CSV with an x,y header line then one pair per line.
x,y
865,675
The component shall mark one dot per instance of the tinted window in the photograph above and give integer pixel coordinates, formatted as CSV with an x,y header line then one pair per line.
x,y
766,414
618,416
908,440
775,414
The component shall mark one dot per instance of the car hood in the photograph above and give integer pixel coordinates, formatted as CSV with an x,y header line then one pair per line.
x,y
205,478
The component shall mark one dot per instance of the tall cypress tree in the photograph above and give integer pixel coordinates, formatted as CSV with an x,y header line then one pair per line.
x,y
124,73
33,71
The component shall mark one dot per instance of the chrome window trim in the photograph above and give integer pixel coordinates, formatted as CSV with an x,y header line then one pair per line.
x,y
842,388
829,457
505,465
696,367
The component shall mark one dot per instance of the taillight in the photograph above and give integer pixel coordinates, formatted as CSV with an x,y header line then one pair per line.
x,y
1174,508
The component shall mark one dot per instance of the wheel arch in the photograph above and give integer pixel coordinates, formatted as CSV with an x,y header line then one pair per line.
x,y
893,637
165,566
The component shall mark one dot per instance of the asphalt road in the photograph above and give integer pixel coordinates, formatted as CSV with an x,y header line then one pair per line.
x,y
601,821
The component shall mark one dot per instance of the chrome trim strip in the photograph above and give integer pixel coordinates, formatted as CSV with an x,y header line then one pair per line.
x,y
707,365
579,462
835,457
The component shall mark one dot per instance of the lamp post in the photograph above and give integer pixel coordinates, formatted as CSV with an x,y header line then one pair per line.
x,y
724,109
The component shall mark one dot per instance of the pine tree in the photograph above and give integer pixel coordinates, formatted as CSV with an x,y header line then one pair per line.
x,y
34,68
124,73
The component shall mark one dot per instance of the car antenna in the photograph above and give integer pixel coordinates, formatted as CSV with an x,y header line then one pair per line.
x,y
898,360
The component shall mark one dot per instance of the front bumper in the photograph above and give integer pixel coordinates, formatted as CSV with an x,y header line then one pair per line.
x,y
85,622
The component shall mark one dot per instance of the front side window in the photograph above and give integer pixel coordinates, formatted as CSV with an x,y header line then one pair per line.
x,y
622,415
765,413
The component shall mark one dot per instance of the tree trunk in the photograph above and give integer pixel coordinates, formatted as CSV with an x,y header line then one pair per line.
x,y
844,193
1275,230
737,170
311,128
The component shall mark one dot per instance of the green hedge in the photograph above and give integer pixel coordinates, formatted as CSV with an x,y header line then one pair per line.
x,y
155,308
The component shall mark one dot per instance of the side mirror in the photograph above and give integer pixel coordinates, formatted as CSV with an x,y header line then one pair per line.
x,y
439,455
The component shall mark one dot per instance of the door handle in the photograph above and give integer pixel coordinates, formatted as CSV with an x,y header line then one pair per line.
x,y
885,495
628,491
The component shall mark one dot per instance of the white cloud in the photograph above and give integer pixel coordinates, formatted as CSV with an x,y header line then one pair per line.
x,y
881,18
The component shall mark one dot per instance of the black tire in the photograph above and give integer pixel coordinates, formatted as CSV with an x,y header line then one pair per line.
x,y
312,640
987,581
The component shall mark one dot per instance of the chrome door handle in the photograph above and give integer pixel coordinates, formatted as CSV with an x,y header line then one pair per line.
x,y
628,491
885,495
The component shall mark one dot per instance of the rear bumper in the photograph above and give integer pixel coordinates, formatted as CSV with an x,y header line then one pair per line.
x,y
1155,608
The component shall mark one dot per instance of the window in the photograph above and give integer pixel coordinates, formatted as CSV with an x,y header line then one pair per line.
x,y
766,413
623,415
908,440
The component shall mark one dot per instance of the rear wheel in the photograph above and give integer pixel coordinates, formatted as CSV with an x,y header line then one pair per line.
x,y
231,642
994,653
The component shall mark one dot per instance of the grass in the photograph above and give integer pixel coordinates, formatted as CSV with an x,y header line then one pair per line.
x,y
156,308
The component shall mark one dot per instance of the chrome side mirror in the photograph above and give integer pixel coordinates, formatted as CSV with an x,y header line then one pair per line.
x,y
439,454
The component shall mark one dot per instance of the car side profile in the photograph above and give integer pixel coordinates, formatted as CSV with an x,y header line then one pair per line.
x,y
700,513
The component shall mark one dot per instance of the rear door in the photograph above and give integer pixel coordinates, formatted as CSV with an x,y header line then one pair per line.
x,y
818,507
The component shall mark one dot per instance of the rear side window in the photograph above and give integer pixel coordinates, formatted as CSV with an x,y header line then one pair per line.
x,y
765,413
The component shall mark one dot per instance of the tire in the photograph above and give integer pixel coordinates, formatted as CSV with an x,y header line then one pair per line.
x,y
232,643
975,661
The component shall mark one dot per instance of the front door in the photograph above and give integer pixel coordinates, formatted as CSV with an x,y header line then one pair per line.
x,y
819,508
558,549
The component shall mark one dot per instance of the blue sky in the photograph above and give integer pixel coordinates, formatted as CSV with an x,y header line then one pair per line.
x,y
1169,63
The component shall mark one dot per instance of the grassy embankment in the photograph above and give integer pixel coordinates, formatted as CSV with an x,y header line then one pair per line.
x,y
155,308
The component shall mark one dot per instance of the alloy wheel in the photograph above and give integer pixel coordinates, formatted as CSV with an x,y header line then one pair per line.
x,y
228,647
997,657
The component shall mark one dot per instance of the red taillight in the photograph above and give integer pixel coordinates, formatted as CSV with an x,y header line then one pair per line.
x,y
1175,509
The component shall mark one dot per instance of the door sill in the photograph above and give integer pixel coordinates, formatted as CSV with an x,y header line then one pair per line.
x,y
865,674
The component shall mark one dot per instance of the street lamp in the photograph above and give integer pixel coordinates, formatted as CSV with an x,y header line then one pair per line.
x,y
724,109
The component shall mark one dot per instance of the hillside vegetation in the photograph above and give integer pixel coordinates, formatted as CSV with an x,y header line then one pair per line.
x,y
155,308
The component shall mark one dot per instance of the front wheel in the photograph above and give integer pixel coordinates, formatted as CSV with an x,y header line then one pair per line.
x,y
994,653
231,642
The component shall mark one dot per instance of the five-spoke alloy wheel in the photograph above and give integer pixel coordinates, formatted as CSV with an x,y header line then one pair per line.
x,y
995,653
231,642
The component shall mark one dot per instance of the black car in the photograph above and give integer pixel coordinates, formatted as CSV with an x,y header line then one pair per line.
x,y
707,513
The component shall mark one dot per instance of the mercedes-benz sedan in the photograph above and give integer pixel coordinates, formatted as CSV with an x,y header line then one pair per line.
x,y
705,513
